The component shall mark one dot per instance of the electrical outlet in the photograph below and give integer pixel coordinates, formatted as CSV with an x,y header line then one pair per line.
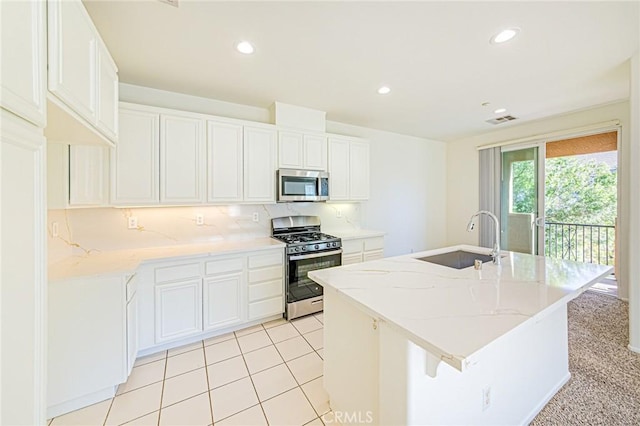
x,y
256,217
199,219
132,222
486,398
55,229
338,213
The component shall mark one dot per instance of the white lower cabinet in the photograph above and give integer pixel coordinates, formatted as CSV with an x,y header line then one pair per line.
x,y
132,322
357,250
87,341
223,288
178,309
179,301
265,284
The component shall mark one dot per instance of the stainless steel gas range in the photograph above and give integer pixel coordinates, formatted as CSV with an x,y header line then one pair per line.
x,y
307,249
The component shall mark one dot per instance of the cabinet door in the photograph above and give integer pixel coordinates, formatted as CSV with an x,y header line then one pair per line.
x,y
290,150
72,56
259,165
107,97
315,152
88,175
178,310
338,169
182,160
135,162
132,332
359,170
24,59
373,255
222,296
224,166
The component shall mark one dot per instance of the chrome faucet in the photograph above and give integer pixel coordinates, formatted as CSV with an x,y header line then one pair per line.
x,y
495,253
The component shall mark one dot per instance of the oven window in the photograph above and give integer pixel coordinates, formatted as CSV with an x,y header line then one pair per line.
x,y
300,286
299,186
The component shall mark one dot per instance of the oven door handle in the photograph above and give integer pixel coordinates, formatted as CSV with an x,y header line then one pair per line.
x,y
314,255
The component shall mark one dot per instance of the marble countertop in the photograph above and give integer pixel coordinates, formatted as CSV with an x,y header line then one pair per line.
x,y
127,261
452,313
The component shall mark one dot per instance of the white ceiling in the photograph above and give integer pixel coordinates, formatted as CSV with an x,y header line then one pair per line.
x,y
333,56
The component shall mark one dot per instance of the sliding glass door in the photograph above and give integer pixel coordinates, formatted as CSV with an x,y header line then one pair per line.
x,y
522,199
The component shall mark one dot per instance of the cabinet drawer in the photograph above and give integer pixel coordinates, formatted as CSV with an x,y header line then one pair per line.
x,y
349,259
351,246
177,272
223,266
373,255
265,274
265,290
262,260
265,308
376,243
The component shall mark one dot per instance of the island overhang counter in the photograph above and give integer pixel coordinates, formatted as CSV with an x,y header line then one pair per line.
x,y
412,342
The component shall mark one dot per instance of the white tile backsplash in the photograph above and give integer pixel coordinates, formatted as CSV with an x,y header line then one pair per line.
x,y
103,229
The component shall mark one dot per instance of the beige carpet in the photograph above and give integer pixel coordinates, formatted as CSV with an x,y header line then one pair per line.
x,y
604,388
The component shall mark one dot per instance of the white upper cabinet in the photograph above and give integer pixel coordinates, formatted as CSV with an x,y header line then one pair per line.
x,y
88,175
358,170
348,169
290,150
315,152
81,71
301,151
23,60
338,169
135,161
107,119
182,160
259,165
224,167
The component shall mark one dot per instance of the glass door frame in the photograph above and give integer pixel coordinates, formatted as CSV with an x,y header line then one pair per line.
x,y
539,218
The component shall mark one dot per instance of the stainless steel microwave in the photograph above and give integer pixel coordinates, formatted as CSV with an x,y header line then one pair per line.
x,y
302,185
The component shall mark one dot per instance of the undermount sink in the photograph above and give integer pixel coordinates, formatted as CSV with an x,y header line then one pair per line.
x,y
458,259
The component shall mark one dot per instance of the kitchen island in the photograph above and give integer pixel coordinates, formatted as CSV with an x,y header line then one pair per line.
x,y
412,342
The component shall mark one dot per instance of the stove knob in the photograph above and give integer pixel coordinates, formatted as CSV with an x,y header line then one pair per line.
x,y
316,247
304,249
333,244
297,249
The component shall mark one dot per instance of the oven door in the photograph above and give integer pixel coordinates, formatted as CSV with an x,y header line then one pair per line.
x,y
299,285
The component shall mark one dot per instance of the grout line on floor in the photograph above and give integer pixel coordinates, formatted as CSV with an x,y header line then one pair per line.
x,y
166,362
104,422
206,373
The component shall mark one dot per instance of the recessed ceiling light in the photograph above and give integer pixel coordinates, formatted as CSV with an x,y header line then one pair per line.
x,y
505,35
384,90
500,110
245,47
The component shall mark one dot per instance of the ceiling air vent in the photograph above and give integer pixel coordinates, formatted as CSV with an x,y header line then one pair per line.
x,y
171,2
500,120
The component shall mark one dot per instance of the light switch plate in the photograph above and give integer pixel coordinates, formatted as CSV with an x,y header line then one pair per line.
x,y
132,222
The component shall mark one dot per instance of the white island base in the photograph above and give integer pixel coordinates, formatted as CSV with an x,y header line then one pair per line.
x,y
374,374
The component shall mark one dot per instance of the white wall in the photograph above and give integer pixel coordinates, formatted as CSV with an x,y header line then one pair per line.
x,y
407,173
463,180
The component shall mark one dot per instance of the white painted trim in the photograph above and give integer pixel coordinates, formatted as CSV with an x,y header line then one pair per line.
x,y
81,402
560,134
633,349
546,400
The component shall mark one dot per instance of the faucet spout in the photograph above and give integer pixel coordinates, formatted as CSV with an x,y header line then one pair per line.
x,y
495,253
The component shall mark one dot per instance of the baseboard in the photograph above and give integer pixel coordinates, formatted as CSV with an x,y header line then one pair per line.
x,y
546,399
81,402
633,349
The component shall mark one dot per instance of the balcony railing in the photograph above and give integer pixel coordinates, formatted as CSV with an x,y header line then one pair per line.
x,y
583,243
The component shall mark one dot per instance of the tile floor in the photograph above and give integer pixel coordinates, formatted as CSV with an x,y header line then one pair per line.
x,y
269,374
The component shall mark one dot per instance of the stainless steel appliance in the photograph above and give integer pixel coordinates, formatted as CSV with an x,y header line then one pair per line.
x,y
302,185
307,249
